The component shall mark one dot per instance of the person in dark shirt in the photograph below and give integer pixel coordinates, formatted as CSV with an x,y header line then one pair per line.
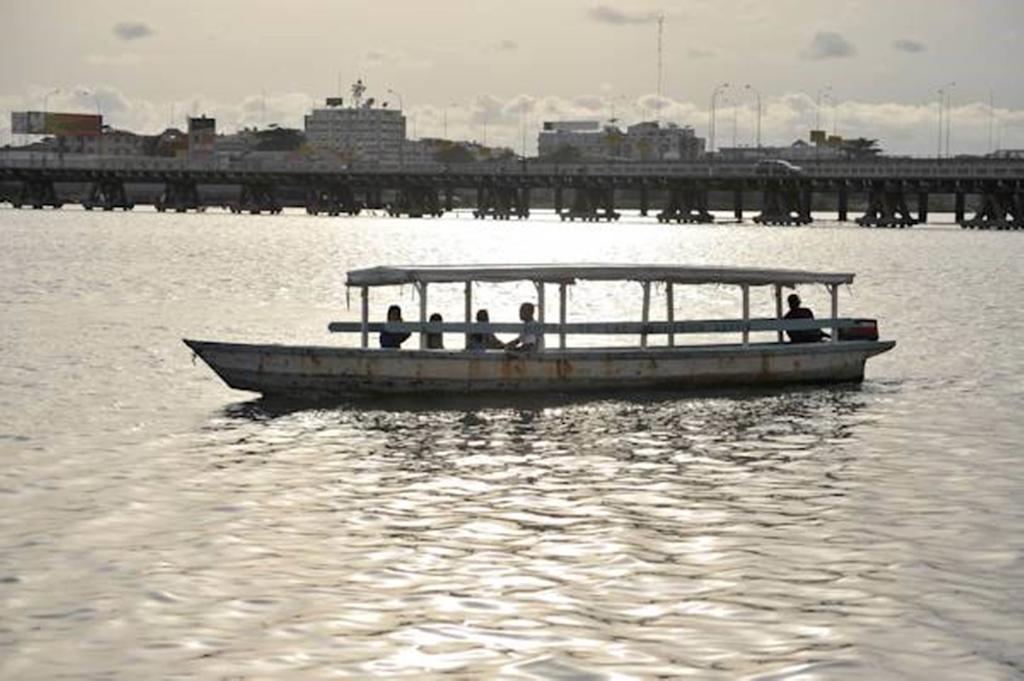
x,y
529,340
391,339
435,341
484,341
797,311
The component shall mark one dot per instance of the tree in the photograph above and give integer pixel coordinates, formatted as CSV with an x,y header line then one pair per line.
x,y
565,154
454,153
279,139
861,148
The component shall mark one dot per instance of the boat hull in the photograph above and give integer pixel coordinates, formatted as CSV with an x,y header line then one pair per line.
x,y
316,371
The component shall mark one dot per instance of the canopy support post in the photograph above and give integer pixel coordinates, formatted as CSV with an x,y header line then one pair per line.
x,y
670,305
778,308
746,314
469,307
364,331
833,289
540,312
422,288
645,313
561,315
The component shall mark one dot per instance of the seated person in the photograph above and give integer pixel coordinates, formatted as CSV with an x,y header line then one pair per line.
x,y
435,341
798,312
483,341
529,339
390,339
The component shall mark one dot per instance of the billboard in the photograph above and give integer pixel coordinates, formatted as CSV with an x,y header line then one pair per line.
x,y
818,136
52,123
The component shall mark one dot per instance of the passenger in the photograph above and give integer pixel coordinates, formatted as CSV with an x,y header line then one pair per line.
x,y
435,341
483,341
798,312
528,340
391,339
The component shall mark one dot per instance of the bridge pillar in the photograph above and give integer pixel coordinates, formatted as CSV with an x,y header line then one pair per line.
x,y
922,207
643,200
501,201
958,208
785,203
374,197
887,206
36,192
180,194
592,203
107,193
844,203
687,202
737,204
558,199
332,199
416,200
256,198
1000,208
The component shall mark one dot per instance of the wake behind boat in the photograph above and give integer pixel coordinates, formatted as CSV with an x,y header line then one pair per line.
x,y
318,371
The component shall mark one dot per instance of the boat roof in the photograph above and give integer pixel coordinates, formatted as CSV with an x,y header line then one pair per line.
x,y
569,273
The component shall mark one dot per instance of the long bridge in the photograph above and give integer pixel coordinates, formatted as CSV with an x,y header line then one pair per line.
x,y
890,192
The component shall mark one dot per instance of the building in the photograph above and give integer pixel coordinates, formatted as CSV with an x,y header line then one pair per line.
x,y
798,152
646,141
651,141
202,133
361,132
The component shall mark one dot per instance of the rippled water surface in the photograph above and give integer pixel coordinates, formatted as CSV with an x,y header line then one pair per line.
x,y
155,524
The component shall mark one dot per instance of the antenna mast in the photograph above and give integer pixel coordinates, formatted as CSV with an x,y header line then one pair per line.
x,y
661,27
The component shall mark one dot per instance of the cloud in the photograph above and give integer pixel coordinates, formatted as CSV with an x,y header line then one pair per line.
x,y
828,45
506,46
907,45
617,17
698,53
132,30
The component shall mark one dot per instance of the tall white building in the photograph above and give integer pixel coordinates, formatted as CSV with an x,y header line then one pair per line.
x,y
359,133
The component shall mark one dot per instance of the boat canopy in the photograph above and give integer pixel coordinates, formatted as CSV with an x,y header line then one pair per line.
x,y
567,274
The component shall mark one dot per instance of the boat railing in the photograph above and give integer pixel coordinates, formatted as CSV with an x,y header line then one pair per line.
x,y
642,329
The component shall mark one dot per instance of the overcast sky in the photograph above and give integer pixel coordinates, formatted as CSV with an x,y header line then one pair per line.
x,y
495,64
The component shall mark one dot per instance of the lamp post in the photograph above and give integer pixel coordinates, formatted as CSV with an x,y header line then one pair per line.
x,y
449,104
712,114
757,96
817,107
401,142
943,93
46,98
949,114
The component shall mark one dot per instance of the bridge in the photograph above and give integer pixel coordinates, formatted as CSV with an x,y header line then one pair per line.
x,y
890,192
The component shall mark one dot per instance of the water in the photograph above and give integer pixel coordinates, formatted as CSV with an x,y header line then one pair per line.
x,y
155,524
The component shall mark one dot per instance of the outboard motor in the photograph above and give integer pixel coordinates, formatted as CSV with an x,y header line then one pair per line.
x,y
865,329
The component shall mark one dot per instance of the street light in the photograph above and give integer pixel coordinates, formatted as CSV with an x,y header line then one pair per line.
x,y
46,97
949,115
757,95
817,108
401,142
452,103
943,92
712,114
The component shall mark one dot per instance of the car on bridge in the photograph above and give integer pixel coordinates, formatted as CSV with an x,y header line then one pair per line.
x,y
777,167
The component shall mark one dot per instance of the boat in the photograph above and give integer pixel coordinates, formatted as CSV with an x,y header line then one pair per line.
x,y
656,359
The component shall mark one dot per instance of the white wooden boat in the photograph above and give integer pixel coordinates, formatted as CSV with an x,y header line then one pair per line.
x,y
737,360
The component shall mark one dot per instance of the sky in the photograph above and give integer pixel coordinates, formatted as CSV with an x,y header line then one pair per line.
x,y
486,69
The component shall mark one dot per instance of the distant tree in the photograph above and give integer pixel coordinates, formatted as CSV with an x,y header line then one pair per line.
x,y
279,139
454,153
565,154
861,148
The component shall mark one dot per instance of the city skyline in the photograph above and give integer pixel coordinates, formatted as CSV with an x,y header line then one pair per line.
x,y
486,70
